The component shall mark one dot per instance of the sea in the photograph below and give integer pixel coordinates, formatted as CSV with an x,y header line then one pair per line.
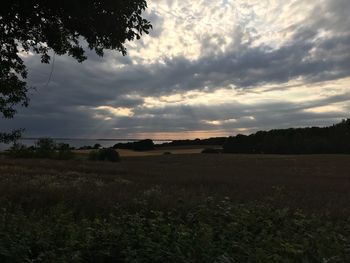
x,y
77,143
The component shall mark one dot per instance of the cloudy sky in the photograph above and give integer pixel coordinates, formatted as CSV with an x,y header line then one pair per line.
x,y
209,68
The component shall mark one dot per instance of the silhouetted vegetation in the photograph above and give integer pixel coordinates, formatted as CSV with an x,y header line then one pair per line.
x,y
143,145
209,141
107,154
45,148
125,146
213,231
97,146
64,151
207,208
314,140
61,26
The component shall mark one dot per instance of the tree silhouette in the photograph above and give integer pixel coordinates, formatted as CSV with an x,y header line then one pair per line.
x,y
314,140
61,26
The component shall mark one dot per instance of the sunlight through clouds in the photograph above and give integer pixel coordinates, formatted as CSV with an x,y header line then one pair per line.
x,y
208,68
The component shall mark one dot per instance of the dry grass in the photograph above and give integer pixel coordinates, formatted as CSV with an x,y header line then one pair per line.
x,y
157,151
316,183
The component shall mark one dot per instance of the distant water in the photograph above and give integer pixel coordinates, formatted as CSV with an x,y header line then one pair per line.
x,y
77,143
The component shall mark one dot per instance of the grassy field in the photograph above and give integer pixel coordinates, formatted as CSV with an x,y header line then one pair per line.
x,y
317,183
157,151
269,189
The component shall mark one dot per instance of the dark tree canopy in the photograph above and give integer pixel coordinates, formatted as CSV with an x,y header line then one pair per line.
x,y
62,26
328,140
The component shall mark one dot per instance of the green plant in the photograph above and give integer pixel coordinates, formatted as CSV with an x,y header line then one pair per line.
x,y
144,145
93,155
213,231
45,148
18,150
64,152
108,154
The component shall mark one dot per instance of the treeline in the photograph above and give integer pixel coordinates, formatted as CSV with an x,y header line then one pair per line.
x,y
314,140
45,148
209,141
143,145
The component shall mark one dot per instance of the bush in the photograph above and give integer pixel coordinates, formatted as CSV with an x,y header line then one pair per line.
x,y
144,145
211,150
97,146
20,151
210,232
45,148
64,152
108,154
93,155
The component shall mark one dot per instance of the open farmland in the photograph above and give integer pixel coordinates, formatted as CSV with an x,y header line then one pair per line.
x,y
176,208
317,183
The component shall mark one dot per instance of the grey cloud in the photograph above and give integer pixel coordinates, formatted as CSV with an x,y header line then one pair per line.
x,y
55,109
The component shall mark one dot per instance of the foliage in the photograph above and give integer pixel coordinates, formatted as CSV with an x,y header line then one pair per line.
x,y
108,154
97,146
62,26
45,148
126,146
214,231
10,137
94,155
209,141
64,152
143,145
158,209
334,139
20,151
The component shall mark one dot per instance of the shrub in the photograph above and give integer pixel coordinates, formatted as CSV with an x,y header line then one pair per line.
x,y
108,154
93,155
64,152
144,145
20,151
45,148
210,232
97,146
211,150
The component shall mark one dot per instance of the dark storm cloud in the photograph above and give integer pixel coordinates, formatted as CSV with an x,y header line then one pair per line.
x,y
305,55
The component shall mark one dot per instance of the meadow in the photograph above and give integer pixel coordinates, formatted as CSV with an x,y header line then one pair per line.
x,y
176,208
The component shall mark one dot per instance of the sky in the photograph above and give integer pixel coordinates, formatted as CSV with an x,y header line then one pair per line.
x,y
208,68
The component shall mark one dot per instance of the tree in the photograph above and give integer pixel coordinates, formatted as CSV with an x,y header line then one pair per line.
x,y
62,26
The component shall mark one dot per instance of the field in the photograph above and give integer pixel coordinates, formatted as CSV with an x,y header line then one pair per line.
x,y
180,185
157,151
316,182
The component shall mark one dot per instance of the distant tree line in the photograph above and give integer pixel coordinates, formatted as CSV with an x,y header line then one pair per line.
x,y
44,148
143,145
209,141
313,140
